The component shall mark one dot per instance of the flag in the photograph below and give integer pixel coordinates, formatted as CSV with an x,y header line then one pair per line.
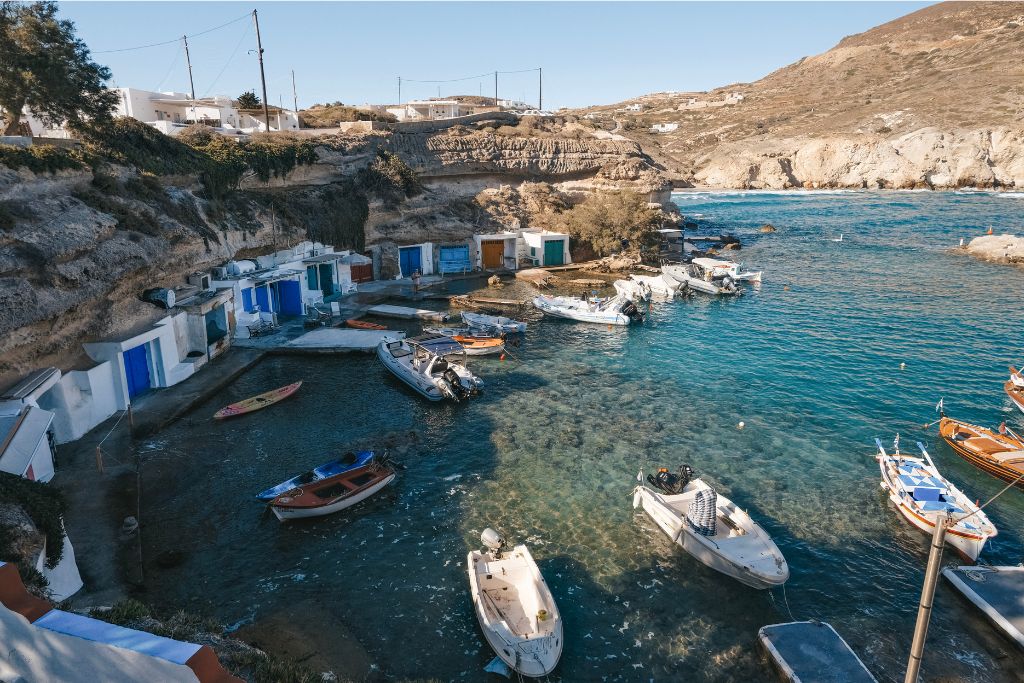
x,y
938,406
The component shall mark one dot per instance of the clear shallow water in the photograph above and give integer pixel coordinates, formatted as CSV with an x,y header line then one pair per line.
x,y
810,362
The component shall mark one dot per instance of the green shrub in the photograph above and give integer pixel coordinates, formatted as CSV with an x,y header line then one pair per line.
x,y
41,158
604,220
44,504
388,178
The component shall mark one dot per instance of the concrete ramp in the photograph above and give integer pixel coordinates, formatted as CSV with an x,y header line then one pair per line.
x,y
997,591
812,651
406,313
339,340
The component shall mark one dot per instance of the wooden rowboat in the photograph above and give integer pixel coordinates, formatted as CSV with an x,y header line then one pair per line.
x,y
1014,388
332,494
255,403
361,325
1000,455
349,461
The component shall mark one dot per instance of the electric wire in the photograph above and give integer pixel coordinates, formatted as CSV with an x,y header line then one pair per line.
x,y
245,33
174,63
467,78
175,40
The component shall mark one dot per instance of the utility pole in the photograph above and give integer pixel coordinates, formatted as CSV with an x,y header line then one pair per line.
x,y
924,612
295,98
191,84
399,90
540,88
495,88
263,78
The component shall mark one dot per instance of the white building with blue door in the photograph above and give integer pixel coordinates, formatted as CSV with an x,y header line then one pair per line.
x,y
453,257
416,257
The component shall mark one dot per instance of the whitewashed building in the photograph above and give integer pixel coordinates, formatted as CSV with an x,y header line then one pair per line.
x,y
544,248
430,110
664,127
497,251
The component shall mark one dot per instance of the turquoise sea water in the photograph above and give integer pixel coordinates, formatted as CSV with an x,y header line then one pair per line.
x,y
810,362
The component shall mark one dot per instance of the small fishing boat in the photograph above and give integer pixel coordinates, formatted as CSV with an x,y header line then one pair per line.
x,y
710,527
721,269
349,461
495,324
1014,388
422,363
257,402
514,606
614,311
362,325
472,342
700,280
331,494
633,290
1001,455
661,286
922,495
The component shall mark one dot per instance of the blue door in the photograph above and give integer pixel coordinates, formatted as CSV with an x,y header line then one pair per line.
x,y
454,259
291,297
247,303
263,298
136,370
409,260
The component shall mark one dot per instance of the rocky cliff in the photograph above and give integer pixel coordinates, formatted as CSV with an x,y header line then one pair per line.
x,y
932,99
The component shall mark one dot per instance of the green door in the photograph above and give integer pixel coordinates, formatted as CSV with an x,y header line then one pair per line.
x,y
554,253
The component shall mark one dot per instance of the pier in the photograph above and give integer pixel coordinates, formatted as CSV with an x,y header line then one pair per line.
x,y
338,340
406,313
998,592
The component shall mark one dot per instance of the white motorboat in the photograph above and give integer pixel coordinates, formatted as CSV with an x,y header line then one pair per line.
x,y
516,610
633,290
699,279
923,496
661,286
495,324
710,527
720,268
422,363
613,311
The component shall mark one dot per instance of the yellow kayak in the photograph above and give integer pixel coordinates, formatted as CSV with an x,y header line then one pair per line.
x,y
255,403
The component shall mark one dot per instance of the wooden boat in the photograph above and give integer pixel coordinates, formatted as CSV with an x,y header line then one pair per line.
x,y
1000,455
614,311
711,527
473,344
259,402
349,461
493,323
812,651
922,495
515,608
332,494
362,325
421,363
1014,388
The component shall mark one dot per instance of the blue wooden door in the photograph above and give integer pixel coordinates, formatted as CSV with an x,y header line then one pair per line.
x,y
454,259
247,303
263,298
409,260
291,297
136,370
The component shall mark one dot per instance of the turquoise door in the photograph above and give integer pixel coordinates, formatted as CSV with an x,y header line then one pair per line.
x,y
554,253
327,278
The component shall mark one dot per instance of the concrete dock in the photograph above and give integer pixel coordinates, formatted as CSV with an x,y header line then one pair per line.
x,y
338,340
997,591
406,313
812,651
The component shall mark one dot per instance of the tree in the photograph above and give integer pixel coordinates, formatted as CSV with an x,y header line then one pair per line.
x,y
45,68
614,221
248,100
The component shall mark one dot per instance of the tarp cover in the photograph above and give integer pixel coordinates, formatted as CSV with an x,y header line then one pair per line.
x,y
87,628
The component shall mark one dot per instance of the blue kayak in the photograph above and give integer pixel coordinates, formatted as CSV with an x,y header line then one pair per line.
x,y
345,463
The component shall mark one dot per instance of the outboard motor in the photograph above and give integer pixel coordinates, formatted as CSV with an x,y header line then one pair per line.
x,y
455,381
493,540
630,310
669,483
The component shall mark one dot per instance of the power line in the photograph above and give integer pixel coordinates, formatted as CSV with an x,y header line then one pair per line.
x,y
168,42
245,33
468,78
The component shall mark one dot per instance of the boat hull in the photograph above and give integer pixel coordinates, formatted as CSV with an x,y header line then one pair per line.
x,y
988,465
1015,393
702,549
414,381
600,317
258,402
285,514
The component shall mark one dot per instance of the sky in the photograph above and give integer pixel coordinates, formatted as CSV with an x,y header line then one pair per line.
x,y
355,52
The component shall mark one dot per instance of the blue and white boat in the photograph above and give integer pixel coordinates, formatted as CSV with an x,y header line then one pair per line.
x,y
349,461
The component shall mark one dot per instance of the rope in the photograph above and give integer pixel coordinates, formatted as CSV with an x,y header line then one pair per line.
x,y
175,40
112,429
786,600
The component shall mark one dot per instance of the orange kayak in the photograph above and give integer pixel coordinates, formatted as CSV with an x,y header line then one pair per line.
x,y
360,325
255,403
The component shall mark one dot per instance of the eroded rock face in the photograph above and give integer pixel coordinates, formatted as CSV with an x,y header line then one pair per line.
x,y
926,158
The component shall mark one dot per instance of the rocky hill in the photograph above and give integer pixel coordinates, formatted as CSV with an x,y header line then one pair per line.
x,y
932,99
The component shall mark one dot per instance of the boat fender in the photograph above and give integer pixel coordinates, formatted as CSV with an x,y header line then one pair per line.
x,y
542,615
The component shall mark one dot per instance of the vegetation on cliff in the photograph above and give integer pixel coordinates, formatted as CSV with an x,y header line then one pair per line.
x,y
29,509
330,115
613,222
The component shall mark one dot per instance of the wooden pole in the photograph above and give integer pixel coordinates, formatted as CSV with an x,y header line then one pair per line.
x,y
191,83
263,78
540,88
495,88
295,98
924,611
99,459
399,90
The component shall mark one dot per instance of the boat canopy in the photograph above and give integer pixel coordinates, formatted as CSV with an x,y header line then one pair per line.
x,y
437,344
710,263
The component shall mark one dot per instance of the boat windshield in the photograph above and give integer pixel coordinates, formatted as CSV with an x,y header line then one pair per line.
x,y
438,345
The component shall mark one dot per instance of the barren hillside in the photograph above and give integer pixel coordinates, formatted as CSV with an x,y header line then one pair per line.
x,y
934,98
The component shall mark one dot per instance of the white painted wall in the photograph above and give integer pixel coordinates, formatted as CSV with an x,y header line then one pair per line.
x,y
64,579
81,400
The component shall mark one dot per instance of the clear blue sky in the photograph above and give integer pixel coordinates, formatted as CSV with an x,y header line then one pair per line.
x,y
591,52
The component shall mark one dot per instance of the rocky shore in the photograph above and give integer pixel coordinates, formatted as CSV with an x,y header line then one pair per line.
x,y
998,248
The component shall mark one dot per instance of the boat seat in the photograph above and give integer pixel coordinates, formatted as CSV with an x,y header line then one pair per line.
x,y
985,444
939,506
927,494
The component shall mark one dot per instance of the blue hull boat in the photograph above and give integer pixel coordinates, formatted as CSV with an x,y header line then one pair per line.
x,y
347,462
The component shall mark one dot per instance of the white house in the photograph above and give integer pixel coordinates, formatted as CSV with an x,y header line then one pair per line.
x,y
497,251
633,107
430,110
544,248
416,257
664,127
